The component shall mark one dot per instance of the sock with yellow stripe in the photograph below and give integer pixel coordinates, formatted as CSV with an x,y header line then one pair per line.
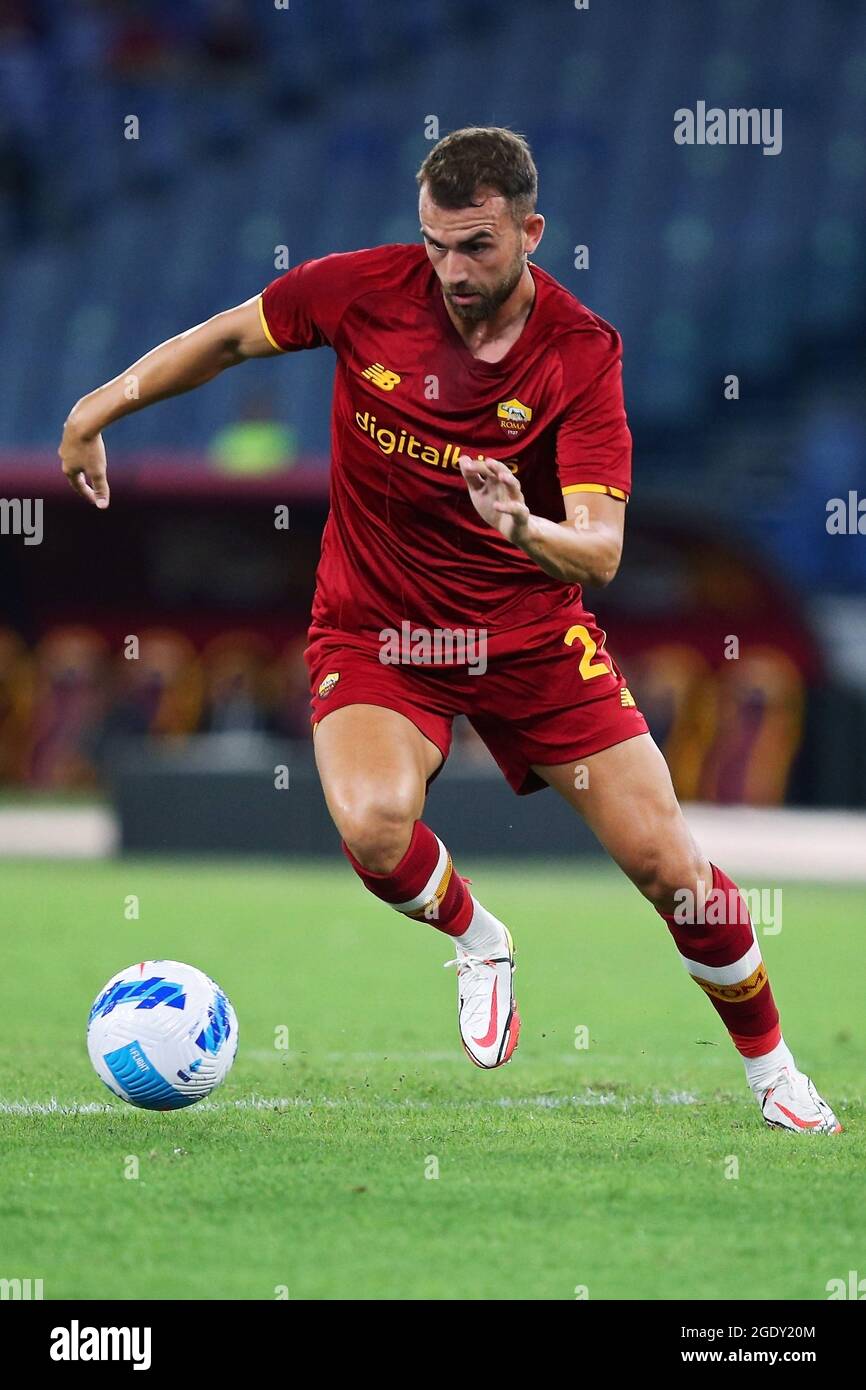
x,y
721,953
425,886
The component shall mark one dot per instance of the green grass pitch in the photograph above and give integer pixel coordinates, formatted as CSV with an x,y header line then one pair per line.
x,y
605,1168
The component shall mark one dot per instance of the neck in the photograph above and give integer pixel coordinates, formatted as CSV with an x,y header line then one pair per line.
x,y
508,319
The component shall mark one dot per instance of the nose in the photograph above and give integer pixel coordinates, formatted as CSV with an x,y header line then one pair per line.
x,y
455,266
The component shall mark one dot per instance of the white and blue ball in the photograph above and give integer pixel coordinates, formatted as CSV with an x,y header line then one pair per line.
x,y
162,1035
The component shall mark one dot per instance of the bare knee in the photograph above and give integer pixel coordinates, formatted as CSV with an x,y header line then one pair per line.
x,y
377,830
663,871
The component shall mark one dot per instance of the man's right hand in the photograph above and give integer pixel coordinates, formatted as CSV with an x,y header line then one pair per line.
x,y
85,466
180,364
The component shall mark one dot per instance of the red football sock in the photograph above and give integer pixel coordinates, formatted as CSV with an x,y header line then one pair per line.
x,y
722,955
423,885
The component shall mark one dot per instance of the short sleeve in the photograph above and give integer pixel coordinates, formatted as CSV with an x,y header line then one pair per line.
x,y
593,443
303,308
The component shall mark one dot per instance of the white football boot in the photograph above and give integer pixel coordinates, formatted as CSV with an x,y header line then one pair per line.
x,y
792,1103
487,1012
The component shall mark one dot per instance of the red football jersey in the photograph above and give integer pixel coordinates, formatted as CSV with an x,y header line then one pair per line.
x,y
403,541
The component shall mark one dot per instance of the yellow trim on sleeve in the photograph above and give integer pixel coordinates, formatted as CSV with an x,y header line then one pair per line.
x,y
268,334
596,487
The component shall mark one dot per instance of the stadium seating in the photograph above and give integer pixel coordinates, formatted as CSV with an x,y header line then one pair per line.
x,y
239,151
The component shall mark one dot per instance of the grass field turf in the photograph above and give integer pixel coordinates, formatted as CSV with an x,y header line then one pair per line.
x,y
602,1168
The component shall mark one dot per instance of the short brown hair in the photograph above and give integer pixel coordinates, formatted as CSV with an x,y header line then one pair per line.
x,y
481,157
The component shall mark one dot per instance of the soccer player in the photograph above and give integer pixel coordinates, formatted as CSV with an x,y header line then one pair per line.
x,y
481,467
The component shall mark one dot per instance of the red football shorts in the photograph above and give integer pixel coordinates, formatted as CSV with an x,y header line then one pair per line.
x,y
554,697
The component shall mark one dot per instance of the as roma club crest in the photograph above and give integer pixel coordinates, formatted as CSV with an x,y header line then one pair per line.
x,y
328,684
513,416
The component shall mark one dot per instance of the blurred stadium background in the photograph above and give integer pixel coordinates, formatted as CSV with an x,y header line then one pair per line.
x,y
266,132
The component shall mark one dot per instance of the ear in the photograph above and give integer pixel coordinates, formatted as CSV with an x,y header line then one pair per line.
x,y
533,230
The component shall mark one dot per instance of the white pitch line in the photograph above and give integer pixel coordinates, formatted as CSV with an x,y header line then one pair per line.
x,y
269,1054
590,1099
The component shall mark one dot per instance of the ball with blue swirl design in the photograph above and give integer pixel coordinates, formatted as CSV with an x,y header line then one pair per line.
x,y
162,1035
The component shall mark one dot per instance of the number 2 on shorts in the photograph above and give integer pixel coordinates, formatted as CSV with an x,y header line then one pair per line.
x,y
588,668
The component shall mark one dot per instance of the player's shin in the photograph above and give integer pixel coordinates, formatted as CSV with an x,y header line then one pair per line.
x,y
718,947
425,886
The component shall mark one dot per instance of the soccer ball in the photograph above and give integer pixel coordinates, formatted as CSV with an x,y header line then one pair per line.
x,y
162,1035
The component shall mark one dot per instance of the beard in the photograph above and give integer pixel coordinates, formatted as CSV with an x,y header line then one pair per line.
x,y
489,300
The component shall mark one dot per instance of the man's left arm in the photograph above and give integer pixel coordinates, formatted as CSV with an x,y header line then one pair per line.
x,y
584,549
593,466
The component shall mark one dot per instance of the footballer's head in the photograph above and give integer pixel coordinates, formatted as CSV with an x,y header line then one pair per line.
x,y
478,219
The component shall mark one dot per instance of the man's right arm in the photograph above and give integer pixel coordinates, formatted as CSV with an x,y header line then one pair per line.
x,y
178,365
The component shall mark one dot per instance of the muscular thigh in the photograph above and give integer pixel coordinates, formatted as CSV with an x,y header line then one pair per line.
x,y
374,765
626,797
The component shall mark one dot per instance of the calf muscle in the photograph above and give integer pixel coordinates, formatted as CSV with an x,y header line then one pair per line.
x,y
626,797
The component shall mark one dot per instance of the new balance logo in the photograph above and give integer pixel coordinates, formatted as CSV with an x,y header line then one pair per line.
x,y
626,698
381,377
